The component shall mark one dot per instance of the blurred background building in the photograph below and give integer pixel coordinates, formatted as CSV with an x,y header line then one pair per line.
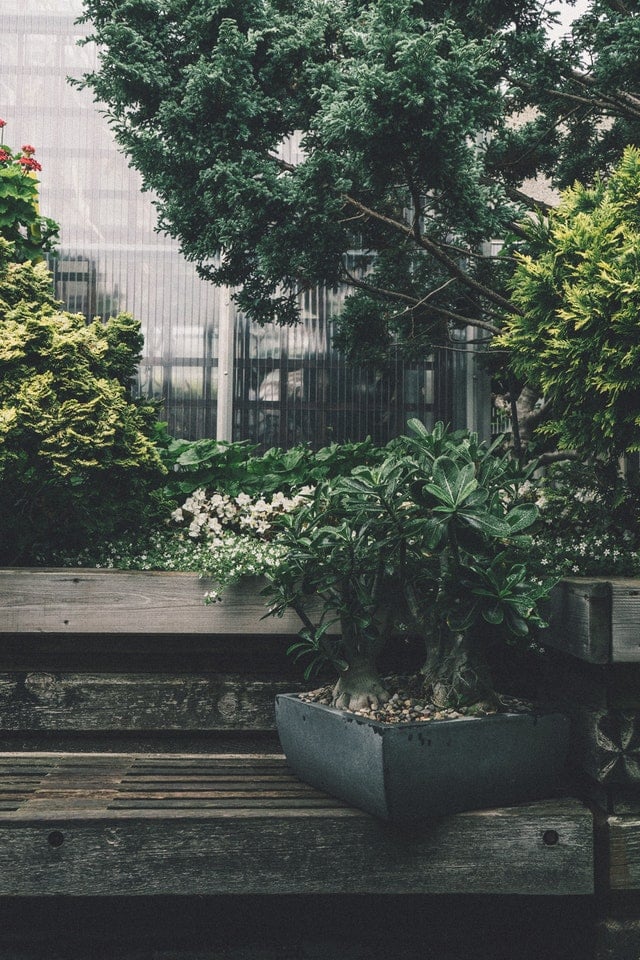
x,y
214,373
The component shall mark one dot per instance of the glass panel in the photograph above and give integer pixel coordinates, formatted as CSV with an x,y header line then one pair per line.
x,y
110,256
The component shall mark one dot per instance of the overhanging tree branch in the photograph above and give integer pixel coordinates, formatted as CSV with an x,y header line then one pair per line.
x,y
437,253
415,304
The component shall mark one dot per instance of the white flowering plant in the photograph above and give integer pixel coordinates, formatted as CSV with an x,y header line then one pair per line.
x,y
235,536
216,535
209,516
589,521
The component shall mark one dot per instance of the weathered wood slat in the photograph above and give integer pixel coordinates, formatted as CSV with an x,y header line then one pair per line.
x,y
211,787
83,600
624,853
115,702
625,621
324,853
278,802
240,793
580,619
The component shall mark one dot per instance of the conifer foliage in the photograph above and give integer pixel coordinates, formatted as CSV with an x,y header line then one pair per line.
x,y
577,335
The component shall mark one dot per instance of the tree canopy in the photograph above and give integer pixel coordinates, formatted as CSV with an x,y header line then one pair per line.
x,y
421,127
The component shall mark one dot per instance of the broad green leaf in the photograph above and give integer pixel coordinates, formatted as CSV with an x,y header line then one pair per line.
x,y
486,523
522,517
493,615
452,484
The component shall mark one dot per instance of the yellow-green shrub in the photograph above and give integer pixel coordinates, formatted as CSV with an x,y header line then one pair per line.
x,y
77,452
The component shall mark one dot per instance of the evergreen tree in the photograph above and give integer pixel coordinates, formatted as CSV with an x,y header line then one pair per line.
x,y
421,126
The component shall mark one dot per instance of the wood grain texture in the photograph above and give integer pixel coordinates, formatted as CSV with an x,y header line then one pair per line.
x,y
624,853
625,621
596,619
580,619
84,702
72,837
82,600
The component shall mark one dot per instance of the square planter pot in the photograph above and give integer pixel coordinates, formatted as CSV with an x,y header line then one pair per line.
x,y
409,771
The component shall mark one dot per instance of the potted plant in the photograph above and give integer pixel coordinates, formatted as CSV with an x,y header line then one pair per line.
x,y
424,544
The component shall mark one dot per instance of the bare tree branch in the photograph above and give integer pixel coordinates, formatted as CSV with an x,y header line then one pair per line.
x,y
557,456
531,202
437,253
458,318
616,95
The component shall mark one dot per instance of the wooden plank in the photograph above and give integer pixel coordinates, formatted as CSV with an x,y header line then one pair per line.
x,y
580,619
82,702
35,600
623,840
81,832
308,851
625,621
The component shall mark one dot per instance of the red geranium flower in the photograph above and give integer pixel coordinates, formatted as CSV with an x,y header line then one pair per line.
x,y
3,123
4,156
28,163
28,150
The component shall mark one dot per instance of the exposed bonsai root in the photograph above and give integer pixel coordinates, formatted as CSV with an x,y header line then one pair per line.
x,y
359,688
455,675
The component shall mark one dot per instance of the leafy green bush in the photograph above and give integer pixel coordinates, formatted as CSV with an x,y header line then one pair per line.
x,y
20,221
233,468
589,521
576,338
78,459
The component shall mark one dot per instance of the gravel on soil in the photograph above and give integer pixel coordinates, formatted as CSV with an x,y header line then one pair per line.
x,y
407,703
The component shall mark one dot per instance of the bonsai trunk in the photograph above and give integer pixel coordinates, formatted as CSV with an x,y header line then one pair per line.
x,y
359,687
455,672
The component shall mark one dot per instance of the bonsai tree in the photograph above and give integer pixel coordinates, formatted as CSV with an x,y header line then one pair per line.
x,y
425,543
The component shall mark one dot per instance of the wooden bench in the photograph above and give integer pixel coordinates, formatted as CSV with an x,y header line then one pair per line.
x,y
138,757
